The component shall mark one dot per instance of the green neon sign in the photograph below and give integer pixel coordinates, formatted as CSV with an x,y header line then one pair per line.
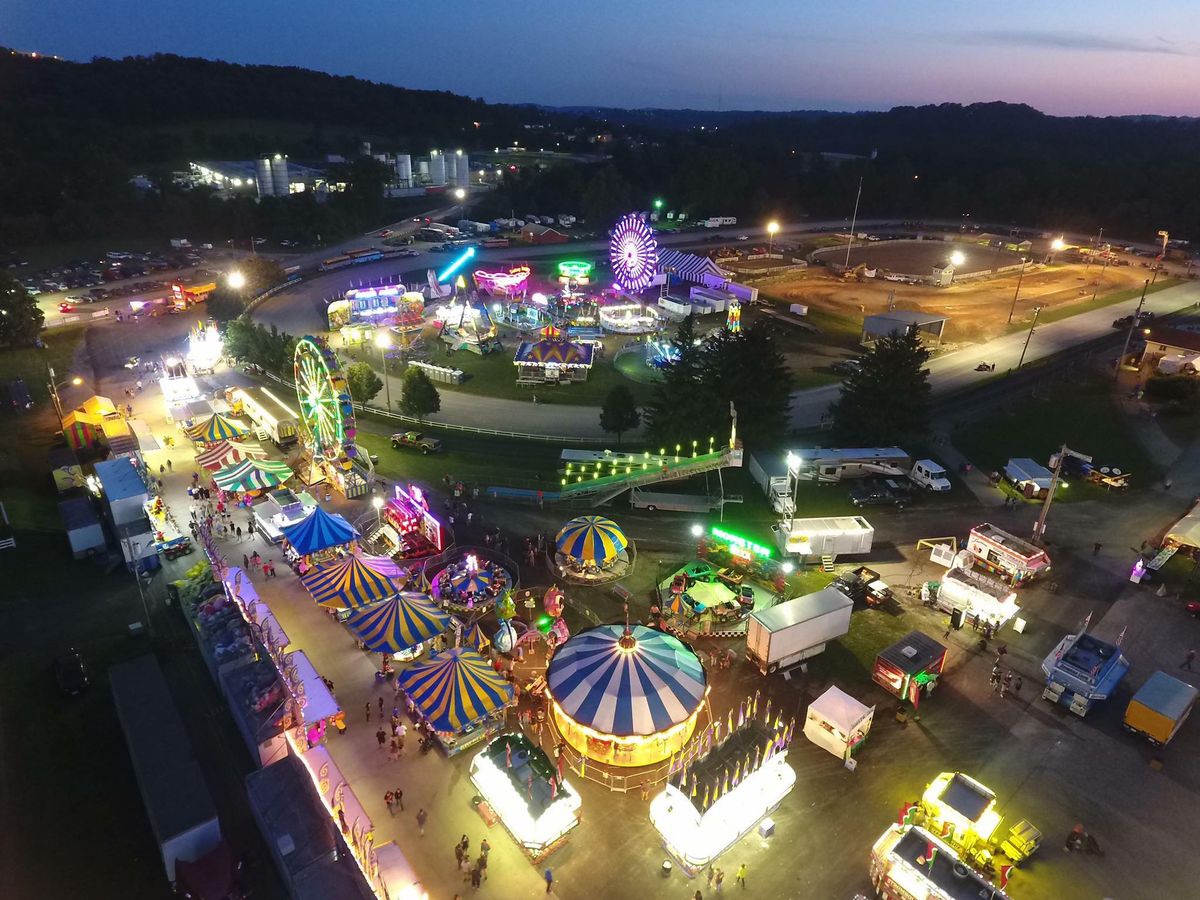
x,y
738,541
574,268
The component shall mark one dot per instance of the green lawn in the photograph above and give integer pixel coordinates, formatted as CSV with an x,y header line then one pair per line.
x,y
1074,309
1082,415
30,362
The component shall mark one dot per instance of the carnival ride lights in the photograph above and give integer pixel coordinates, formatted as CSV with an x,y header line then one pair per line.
x,y
449,271
508,283
574,270
633,252
204,347
962,810
629,318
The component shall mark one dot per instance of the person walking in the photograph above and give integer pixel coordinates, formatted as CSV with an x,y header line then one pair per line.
x,y
481,866
380,709
484,847
711,873
1187,660
170,468
476,875
719,881
422,818
272,568
381,736
549,876
1004,683
368,710
399,794
1096,548
458,855
1017,682
740,877
464,866
245,561
389,798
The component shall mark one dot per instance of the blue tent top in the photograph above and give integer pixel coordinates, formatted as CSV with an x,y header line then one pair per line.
x,y
120,479
455,688
636,682
319,531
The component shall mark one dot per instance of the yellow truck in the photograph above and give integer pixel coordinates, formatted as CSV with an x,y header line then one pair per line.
x,y
1160,707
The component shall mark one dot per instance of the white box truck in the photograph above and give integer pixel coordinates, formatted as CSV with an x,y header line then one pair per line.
x,y
796,630
832,537
929,475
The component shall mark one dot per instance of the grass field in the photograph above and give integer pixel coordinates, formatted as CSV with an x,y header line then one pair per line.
x,y
30,362
1057,313
1082,415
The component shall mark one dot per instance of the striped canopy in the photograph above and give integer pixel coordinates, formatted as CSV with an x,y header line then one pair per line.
x,y
675,606
398,624
217,428
319,531
226,453
252,475
591,539
468,582
554,352
476,639
641,689
349,583
455,688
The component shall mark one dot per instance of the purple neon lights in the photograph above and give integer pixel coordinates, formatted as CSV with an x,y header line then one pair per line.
x,y
633,252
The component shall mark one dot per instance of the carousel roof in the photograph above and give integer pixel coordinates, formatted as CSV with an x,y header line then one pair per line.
x,y
319,531
399,623
349,583
591,539
472,581
225,453
639,684
553,352
217,428
455,688
252,475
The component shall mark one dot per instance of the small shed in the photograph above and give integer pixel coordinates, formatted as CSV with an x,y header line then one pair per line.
x,y
542,234
84,532
838,723
912,663
1029,476
929,327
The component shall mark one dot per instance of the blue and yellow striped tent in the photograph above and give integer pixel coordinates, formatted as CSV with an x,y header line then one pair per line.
x,y
591,539
475,639
319,531
217,428
455,688
477,581
398,624
349,583
252,475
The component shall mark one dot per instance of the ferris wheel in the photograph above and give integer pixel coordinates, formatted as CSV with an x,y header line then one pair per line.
x,y
633,252
325,406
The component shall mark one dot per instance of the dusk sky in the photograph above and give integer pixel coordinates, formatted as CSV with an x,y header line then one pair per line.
x,y
1110,58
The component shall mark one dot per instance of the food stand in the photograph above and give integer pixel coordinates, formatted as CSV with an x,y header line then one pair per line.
x,y
908,862
523,788
1007,556
281,509
409,527
838,723
977,598
911,664
961,810
168,539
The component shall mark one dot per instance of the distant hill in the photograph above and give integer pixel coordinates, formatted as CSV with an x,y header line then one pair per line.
x,y
683,118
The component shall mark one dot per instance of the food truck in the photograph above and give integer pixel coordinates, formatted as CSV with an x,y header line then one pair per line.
x,y
972,596
1159,708
911,664
1006,556
908,862
1082,670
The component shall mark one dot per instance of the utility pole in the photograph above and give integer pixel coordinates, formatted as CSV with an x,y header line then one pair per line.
x,y
1017,292
1100,280
137,577
1039,529
1036,312
853,223
1095,243
1133,323
54,395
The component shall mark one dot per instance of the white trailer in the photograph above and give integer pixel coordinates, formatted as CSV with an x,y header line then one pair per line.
x,y
836,463
797,629
977,596
830,537
654,500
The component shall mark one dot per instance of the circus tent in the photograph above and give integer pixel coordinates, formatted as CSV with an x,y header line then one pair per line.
x,y
217,428
252,475
319,531
349,583
455,689
227,453
398,624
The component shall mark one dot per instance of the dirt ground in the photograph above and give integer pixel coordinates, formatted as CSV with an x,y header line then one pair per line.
x,y
978,310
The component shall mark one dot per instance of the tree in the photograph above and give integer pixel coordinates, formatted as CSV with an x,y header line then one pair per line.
x,y
225,304
620,412
260,273
419,397
272,349
20,317
887,399
364,384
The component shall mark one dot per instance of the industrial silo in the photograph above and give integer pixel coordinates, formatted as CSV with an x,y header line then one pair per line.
x,y
404,169
262,177
463,167
437,167
279,175
423,170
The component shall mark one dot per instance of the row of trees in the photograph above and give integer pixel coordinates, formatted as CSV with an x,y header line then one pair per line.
x,y
20,317
419,396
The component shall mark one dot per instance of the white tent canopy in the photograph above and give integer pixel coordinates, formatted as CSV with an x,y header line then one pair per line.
x,y
836,721
1187,530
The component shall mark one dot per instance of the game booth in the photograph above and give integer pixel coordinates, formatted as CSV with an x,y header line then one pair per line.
x,y
908,861
458,696
280,509
625,695
725,785
398,627
912,664
1006,556
592,548
838,723
520,785
407,527
556,361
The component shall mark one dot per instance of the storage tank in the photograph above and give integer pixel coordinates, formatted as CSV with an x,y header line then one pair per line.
x,y
262,177
437,167
462,166
423,170
404,169
365,148
279,175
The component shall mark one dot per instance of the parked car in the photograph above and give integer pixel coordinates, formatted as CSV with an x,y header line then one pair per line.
x,y
887,492
65,307
845,366
417,441
863,585
71,674
1124,321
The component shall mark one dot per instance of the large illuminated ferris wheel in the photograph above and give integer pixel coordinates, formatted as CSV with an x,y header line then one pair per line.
x,y
633,252
325,405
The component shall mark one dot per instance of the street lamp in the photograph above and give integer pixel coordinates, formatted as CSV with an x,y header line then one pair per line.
x,y
383,342
697,530
772,229
957,258
460,194
377,502
236,280
54,386
1163,257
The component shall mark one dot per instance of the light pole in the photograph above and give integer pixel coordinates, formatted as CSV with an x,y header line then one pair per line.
x,y
382,341
1017,292
957,258
853,223
377,502
772,228
1036,312
1095,244
54,386
1162,257
236,280
130,545
1056,245
1100,280
1133,323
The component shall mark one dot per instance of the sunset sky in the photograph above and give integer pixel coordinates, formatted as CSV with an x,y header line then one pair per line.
x,y
1115,58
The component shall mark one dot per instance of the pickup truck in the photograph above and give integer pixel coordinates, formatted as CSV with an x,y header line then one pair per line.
x,y
416,441
1125,321
863,585
887,492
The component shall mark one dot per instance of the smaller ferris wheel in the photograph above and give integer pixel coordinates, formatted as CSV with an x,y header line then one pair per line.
x,y
633,252
326,409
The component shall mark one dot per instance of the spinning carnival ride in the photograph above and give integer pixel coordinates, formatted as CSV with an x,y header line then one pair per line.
x,y
633,252
327,419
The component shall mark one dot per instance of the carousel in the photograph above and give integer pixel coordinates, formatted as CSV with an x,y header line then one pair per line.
x,y
592,549
472,582
626,695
